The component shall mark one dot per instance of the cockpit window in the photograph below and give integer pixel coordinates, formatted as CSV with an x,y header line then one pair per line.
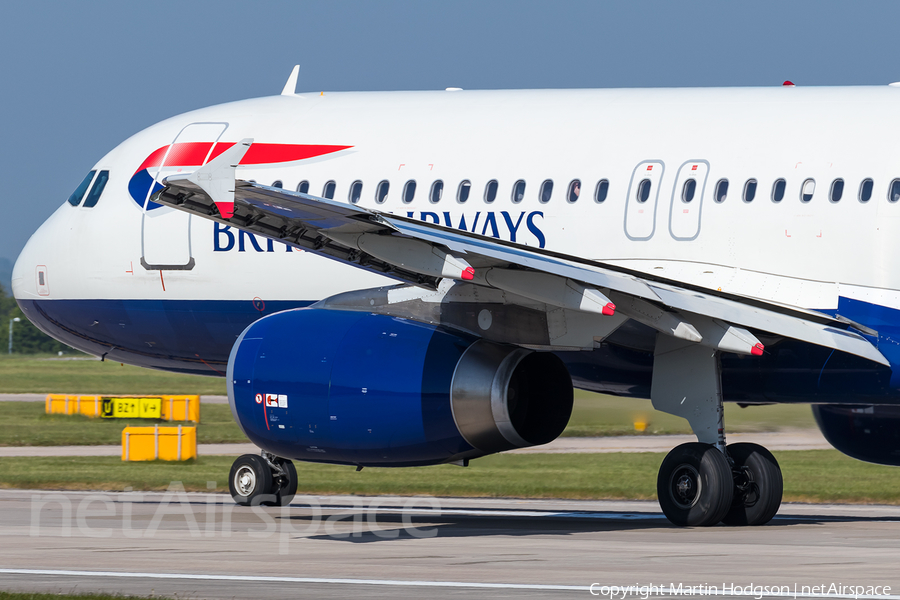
x,y
78,194
99,184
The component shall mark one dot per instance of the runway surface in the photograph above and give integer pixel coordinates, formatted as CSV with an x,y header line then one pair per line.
x,y
201,545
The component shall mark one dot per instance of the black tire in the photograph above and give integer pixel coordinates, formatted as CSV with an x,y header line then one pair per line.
x,y
285,486
694,486
758,485
250,481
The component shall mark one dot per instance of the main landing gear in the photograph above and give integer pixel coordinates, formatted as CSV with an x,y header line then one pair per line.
x,y
699,485
262,479
706,482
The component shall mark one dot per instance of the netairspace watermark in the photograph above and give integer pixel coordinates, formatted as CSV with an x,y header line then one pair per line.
x,y
758,592
104,515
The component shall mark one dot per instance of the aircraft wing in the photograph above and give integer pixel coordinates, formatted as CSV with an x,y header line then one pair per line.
x,y
423,253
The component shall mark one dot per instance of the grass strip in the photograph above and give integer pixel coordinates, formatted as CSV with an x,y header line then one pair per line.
x,y
82,374
26,424
597,415
43,596
593,415
809,476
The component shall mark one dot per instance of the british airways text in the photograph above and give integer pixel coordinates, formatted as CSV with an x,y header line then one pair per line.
x,y
501,225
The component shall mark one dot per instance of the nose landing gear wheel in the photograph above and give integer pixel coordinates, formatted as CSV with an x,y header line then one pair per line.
x,y
249,480
255,480
758,485
694,486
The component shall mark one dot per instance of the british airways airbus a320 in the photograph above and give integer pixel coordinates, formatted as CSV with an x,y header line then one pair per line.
x,y
413,278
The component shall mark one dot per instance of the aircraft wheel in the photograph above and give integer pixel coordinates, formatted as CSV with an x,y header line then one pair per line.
x,y
758,485
285,486
250,480
695,485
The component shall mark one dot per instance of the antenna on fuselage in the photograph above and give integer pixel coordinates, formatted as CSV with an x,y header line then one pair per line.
x,y
290,88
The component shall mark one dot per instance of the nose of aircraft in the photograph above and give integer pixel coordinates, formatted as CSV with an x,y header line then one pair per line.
x,y
54,277
51,278
72,282
31,276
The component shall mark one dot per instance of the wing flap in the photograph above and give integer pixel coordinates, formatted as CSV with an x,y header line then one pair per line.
x,y
769,321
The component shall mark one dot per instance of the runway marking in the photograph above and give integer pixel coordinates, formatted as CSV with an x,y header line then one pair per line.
x,y
418,510
618,516
276,579
594,587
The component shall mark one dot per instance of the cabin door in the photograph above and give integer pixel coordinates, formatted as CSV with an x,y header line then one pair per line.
x,y
166,232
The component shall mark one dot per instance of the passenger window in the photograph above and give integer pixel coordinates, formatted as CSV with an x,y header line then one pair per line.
x,y
574,190
721,190
894,194
601,191
750,190
94,195
328,190
381,191
462,194
643,191
865,190
518,191
689,189
778,190
78,194
490,191
837,190
303,187
437,190
807,190
409,191
277,183
546,191
355,191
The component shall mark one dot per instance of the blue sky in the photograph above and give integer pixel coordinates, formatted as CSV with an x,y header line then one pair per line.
x,y
79,77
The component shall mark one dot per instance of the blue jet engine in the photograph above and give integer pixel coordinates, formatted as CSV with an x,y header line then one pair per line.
x,y
365,389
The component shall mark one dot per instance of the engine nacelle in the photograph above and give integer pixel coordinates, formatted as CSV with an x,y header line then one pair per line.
x,y
365,389
869,433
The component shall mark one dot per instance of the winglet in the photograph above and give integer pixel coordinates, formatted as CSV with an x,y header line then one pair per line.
x,y
216,177
290,88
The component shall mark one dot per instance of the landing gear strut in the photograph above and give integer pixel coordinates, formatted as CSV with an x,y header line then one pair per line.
x,y
262,479
707,482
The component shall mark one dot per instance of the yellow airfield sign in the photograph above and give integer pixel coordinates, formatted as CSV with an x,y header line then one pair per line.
x,y
165,407
131,408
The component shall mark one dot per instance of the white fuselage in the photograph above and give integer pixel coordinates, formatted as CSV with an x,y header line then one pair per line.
x,y
810,253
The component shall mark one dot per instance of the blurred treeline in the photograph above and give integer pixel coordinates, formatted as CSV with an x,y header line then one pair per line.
x,y
27,339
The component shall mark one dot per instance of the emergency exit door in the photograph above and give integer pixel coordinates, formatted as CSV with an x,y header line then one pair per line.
x,y
686,207
166,232
640,205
